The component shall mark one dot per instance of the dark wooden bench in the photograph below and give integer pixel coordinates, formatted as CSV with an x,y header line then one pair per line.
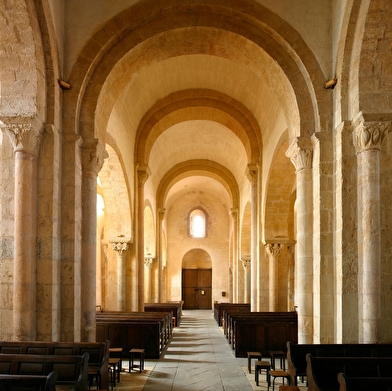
x,y
364,383
163,317
72,371
98,353
28,382
174,307
219,309
262,331
322,372
296,354
140,330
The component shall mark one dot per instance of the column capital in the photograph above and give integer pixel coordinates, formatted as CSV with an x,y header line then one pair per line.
x,y
234,213
24,132
369,133
300,153
148,261
161,213
143,173
120,244
93,156
273,248
251,172
245,262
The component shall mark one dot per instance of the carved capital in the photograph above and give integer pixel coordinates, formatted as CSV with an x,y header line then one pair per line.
x,y
301,153
24,134
148,261
93,156
143,172
252,171
370,134
274,248
161,213
120,244
234,213
245,263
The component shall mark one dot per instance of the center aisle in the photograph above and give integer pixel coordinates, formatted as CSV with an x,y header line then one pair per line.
x,y
198,358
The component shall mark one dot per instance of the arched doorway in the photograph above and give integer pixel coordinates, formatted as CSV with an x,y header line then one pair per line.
x,y
197,280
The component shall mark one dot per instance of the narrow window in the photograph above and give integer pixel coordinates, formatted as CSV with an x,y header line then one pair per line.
x,y
197,224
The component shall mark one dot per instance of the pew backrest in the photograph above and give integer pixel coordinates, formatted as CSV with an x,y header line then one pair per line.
x,y
72,371
28,382
347,383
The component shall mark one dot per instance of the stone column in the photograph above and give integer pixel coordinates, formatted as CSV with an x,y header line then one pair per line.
x,y
291,272
161,215
246,263
93,155
148,261
300,153
273,251
368,137
142,176
25,139
120,245
234,216
252,173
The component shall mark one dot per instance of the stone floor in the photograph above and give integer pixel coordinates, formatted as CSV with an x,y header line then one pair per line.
x,y
198,358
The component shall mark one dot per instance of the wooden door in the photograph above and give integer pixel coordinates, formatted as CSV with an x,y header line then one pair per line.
x,y
197,288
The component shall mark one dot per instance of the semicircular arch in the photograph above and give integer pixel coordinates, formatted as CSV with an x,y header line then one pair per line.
x,y
185,105
127,30
198,167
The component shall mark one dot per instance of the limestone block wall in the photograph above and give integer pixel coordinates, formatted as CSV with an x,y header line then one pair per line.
x,y
216,244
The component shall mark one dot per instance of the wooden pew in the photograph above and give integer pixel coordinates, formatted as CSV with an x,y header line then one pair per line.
x,y
364,383
219,308
98,353
164,319
140,330
174,307
72,371
262,331
296,354
322,372
28,382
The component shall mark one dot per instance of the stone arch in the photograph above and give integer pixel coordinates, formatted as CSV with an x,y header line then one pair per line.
x,y
127,30
196,258
198,167
279,213
118,208
185,105
374,69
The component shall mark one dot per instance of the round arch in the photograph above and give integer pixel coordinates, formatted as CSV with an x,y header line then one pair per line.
x,y
127,30
198,167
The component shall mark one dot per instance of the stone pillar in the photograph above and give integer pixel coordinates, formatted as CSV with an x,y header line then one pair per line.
x,y
252,173
273,251
368,137
148,261
25,139
120,245
161,215
142,176
291,272
246,263
234,216
93,155
300,153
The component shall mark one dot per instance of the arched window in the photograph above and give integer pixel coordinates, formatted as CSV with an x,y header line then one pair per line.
x,y
197,224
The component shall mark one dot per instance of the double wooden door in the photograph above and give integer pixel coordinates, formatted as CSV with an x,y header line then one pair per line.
x,y
197,288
